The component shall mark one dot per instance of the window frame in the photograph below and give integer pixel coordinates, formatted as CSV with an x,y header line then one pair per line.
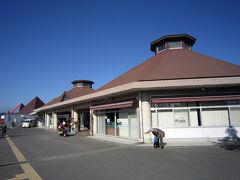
x,y
156,109
180,47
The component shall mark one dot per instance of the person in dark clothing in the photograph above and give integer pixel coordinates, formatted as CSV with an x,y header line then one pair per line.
x,y
159,134
4,130
156,142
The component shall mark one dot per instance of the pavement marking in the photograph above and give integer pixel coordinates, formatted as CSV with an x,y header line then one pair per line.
x,y
15,150
29,172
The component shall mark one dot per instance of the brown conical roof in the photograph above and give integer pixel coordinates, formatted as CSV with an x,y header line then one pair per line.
x,y
73,93
176,64
33,104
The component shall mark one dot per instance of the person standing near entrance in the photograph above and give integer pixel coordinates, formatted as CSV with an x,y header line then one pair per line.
x,y
4,130
158,136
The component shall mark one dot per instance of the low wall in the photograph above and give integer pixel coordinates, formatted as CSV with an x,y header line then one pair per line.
x,y
197,132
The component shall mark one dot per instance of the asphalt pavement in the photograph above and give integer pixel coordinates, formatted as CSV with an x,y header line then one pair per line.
x,y
77,157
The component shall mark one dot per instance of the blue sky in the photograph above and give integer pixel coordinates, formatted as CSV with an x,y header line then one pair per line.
x,y
46,44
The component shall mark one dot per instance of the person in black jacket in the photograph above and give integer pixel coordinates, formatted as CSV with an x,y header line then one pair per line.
x,y
4,130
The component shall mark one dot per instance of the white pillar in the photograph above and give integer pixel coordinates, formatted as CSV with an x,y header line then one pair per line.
x,y
93,122
47,120
146,116
55,121
140,117
74,116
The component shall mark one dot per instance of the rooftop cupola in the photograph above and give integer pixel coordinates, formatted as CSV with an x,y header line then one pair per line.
x,y
82,83
178,41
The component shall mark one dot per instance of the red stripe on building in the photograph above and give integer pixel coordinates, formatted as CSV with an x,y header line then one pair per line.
x,y
113,105
195,99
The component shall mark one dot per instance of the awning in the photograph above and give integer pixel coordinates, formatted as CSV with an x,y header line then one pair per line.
x,y
195,99
113,105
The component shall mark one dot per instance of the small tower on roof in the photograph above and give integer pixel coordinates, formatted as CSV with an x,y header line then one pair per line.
x,y
178,41
82,83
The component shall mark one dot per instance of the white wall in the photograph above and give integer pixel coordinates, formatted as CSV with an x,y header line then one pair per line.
x,y
197,132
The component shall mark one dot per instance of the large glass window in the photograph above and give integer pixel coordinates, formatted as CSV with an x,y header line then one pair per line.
x,y
235,116
165,118
215,117
133,125
181,118
175,44
193,114
123,123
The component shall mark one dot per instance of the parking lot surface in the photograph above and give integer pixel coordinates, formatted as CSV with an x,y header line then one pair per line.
x,y
51,156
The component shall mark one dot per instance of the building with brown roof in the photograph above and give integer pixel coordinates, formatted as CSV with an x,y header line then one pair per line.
x,y
80,88
184,93
35,103
25,112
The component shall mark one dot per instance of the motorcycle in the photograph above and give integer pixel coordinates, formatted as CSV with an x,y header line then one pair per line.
x,y
63,132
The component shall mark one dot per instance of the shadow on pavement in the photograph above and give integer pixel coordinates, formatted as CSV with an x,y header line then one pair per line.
x,y
231,141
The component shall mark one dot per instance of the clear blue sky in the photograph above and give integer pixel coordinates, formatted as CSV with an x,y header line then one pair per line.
x,y
46,44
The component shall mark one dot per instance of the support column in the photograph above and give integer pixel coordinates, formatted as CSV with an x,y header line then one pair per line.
x,y
74,116
55,121
93,122
47,120
81,121
146,116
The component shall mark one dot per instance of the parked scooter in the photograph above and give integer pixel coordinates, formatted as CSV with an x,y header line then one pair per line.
x,y
63,130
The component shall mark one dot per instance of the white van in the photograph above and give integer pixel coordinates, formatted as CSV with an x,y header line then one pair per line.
x,y
29,123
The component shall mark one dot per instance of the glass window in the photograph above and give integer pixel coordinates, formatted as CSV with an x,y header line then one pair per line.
x,y
165,118
181,118
101,123
194,117
214,103
122,124
234,102
175,44
183,104
160,105
187,46
214,117
154,119
86,84
235,116
161,47
192,104
133,125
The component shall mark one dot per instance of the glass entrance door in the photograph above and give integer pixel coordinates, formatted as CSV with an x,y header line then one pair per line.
x,y
101,123
110,123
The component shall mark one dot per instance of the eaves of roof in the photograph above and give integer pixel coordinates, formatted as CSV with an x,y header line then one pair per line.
x,y
148,85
